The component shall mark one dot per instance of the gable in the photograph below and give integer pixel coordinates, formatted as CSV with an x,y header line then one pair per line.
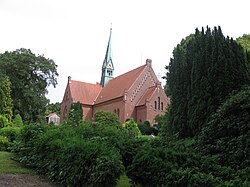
x,y
83,92
153,93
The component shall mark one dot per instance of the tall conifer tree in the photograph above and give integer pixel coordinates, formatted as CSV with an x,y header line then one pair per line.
x,y
205,68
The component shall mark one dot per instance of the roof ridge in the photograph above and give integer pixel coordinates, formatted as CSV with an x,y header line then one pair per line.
x,y
129,71
115,87
84,82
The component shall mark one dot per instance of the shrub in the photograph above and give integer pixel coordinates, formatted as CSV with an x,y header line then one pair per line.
x,y
147,129
177,163
17,121
3,143
107,118
3,121
73,161
10,132
25,144
227,134
132,128
130,148
70,157
110,134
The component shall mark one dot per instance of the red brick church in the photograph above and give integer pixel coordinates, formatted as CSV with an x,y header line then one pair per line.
x,y
136,94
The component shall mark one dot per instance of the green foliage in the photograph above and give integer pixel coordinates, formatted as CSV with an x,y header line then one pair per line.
x,y
178,163
107,118
120,138
132,128
130,148
17,121
52,107
147,129
86,155
3,121
4,143
202,73
6,103
244,41
227,133
75,116
30,75
73,161
10,132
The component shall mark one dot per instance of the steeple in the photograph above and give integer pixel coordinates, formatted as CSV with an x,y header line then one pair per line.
x,y
107,67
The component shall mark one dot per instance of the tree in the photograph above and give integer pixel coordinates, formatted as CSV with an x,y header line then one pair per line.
x,y
204,70
244,41
30,76
53,107
6,103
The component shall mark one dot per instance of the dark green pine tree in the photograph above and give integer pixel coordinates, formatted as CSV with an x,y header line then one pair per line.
x,y
177,80
204,70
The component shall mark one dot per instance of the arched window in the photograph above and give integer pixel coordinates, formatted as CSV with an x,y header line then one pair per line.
x,y
159,103
155,105
118,112
115,111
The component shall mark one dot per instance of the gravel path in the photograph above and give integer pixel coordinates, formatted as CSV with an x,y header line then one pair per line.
x,y
23,180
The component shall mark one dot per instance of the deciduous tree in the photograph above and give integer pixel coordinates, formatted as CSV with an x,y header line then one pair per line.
x,y
30,76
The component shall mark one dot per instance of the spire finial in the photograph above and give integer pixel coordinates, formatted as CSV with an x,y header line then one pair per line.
x,y
111,26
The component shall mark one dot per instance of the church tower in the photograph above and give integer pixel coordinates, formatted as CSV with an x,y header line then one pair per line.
x,y
107,67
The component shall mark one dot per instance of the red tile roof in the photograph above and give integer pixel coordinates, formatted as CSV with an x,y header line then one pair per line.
x,y
147,95
84,92
115,87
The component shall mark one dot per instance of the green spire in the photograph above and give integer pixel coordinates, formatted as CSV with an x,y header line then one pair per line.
x,y
107,67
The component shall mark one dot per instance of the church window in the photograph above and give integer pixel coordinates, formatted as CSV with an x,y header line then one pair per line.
x,y
155,105
159,103
115,111
118,112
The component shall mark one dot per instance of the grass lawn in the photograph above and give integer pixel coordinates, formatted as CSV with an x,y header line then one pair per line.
x,y
7,165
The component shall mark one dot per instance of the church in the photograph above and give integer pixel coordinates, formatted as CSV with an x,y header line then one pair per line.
x,y
136,94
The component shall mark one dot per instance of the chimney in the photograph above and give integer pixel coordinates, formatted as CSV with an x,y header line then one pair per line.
x,y
148,62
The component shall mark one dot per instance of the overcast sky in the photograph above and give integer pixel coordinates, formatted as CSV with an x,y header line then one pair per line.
x,y
74,33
